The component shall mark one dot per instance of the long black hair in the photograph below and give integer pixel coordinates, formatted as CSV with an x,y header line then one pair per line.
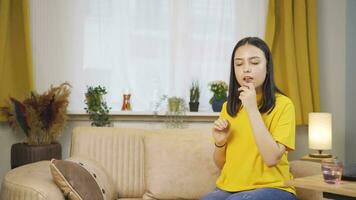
x,y
269,87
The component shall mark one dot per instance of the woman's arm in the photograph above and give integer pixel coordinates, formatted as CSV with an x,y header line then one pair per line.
x,y
219,156
221,135
270,150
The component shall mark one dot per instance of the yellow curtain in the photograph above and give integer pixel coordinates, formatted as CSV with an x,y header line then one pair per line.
x,y
291,33
15,50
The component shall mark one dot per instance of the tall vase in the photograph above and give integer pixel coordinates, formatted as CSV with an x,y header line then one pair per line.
x,y
217,104
22,153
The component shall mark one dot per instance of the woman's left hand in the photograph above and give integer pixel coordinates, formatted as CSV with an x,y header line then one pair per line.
x,y
248,96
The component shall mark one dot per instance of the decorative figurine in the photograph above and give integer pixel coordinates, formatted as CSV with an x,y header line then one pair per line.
x,y
126,105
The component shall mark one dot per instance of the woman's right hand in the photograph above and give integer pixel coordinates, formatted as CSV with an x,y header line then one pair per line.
x,y
221,131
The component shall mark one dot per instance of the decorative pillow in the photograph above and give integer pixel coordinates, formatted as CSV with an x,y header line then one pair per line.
x,y
82,179
179,165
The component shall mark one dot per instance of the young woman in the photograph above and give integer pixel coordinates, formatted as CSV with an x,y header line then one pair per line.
x,y
255,131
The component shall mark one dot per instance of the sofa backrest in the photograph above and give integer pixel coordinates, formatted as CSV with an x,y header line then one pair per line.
x,y
140,160
119,150
160,162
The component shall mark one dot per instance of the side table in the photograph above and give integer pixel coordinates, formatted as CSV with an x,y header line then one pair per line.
x,y
308,158
345,190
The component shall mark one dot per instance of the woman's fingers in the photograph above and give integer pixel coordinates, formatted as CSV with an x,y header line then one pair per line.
x,y
217,127
220,131
250,86
246,87
242,88
226,123
221,124
218,124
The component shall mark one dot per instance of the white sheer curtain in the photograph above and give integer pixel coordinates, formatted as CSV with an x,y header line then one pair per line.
x,y
149,47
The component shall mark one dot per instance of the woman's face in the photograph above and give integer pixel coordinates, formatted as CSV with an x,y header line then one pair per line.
x,y
250,66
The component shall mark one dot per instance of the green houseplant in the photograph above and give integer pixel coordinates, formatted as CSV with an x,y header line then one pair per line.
x,y
176,105
176,109
194,97
96,106
176,112
219,89
42,118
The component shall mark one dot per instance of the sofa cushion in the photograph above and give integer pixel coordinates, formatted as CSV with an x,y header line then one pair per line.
x,y
82,178
179,164
30,182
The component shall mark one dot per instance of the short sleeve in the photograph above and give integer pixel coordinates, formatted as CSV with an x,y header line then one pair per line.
x,y
284,131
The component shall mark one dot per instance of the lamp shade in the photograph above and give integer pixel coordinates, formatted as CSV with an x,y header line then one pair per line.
x,y
320,131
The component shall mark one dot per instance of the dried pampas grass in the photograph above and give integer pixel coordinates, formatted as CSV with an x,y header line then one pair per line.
x,y
41,117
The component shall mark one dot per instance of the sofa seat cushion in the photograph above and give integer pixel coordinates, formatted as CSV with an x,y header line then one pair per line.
x,y
30,182
179,164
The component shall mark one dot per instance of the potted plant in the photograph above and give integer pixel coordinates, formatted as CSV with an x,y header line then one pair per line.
x,y
176,105
41,117
219,89
176,112
96,106
176,108
194,97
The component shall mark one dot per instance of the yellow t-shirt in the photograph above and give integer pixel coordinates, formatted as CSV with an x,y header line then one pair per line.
x,y
244,167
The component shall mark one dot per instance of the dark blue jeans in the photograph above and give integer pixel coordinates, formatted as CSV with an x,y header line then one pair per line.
x,y
256,194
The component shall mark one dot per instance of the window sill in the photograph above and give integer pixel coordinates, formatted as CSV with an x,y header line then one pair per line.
x,y
146,116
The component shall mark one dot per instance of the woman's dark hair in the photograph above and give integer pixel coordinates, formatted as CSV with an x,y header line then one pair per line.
x,y
269,88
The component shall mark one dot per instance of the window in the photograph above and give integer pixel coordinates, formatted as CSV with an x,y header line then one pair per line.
x,y
149,47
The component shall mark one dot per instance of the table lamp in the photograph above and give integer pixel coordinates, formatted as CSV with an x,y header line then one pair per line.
x,y
320,134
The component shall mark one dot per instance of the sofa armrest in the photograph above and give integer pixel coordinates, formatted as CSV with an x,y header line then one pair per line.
x,y
300,168
30,182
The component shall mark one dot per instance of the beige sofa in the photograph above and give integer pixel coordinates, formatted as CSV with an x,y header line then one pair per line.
x,y
144,164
